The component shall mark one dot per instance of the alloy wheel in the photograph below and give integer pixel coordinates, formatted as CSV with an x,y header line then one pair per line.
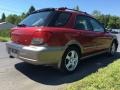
x,y
71,60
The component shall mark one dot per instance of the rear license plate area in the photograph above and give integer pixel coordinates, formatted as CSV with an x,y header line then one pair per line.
x,y
13,52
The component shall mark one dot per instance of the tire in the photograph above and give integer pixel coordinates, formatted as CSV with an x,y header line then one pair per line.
x,y
112,49
11,56
70,60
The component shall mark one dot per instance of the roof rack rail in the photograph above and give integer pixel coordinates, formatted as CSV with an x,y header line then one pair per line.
x,y
61,8
44,9
65,8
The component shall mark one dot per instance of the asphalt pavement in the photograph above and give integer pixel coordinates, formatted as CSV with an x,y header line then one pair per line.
x,y
18,75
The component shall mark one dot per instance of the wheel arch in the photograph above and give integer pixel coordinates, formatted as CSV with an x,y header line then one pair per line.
x,y
72,43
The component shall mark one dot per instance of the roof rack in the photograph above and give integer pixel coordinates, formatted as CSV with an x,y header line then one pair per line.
x,y
45,9
65,8
61,8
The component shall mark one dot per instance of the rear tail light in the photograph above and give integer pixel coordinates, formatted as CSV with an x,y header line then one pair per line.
x,y
40,37
10,33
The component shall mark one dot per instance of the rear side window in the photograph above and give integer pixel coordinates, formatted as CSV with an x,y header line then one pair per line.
x,y
82,23
62,19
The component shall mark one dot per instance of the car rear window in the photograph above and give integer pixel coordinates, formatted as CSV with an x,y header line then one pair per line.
x,y
36,19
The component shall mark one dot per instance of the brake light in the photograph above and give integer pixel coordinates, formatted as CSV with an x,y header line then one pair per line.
x,y
10,33
40,37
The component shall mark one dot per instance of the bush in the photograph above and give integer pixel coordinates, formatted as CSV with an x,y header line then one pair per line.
x,y
4,33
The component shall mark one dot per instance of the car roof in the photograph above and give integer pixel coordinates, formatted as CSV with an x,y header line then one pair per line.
x,y
63,9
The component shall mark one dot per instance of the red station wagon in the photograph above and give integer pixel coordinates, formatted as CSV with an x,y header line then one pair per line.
x,y
61,37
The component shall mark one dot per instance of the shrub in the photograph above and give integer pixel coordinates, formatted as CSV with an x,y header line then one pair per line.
x,y
4,33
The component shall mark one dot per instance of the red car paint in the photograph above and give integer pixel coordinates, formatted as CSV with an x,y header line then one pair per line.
x,y
59,36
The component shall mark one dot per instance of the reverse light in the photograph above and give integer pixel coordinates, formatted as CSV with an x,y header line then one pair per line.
x,y
37,41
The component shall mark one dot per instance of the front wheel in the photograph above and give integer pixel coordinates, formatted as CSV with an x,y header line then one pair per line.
x,y
70,59
113,49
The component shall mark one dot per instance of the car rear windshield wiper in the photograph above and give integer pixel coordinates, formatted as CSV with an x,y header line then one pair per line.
x,y
21,25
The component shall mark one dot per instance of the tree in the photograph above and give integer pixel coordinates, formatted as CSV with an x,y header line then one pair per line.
x,y
77,8
108,20
96,13
114,22
14,19
31,9
23,16
3,17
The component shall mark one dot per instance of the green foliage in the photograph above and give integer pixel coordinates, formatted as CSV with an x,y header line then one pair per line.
x,y
114,22
3,17
96,13
14,19
31,9
4,33
77,8
4,39
108,20
107,78
23,16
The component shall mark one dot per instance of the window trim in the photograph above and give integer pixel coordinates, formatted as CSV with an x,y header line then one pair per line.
x,y
86,19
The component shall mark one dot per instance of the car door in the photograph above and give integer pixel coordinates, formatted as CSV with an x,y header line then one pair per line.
x,y
101,38
86,35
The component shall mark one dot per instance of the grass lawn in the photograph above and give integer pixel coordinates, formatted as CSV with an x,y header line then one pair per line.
x,y
107,78
4,35
4,39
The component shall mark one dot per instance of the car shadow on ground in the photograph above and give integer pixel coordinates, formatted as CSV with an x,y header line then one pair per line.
x,y
50,76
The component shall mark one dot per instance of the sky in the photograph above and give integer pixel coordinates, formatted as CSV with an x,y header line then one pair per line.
x,y
18,6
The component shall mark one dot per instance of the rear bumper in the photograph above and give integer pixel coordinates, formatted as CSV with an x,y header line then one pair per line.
x,y
37,54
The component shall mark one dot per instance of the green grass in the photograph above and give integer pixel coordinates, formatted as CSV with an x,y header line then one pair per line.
x,y
4,39
107,78
4,35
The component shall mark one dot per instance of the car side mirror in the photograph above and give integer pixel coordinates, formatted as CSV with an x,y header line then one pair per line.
x,y
108,30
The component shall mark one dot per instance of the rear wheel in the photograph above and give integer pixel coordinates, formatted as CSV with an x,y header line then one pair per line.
x,y
70,60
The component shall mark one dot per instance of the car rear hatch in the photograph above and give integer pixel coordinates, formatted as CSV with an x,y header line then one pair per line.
x,y
22,35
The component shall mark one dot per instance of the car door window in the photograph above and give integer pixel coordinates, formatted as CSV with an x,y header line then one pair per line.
x,y
82,23
97,27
